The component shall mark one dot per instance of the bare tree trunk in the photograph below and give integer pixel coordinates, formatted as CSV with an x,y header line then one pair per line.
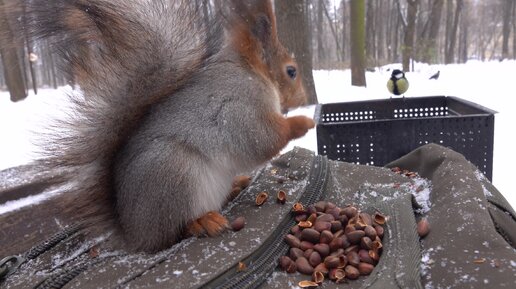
x,y
450,51
294,33
380,30
389,29
482,42
333,30
485,44
410,31
31,55
344,29
449,23
397,27
357,12
321,54
507,11
464,35
23,59
11,61
431,50
514,31
370,33
2,81
337,33
395,54
495,46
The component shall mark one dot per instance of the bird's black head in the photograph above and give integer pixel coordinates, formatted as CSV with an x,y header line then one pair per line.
x,y
397,74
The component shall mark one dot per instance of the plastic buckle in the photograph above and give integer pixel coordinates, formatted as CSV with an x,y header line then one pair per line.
x,y
10,264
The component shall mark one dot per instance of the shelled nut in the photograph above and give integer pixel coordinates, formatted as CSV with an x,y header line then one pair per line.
x,y
342,243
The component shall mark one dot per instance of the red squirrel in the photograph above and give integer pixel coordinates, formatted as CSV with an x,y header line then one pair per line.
x,y
171,110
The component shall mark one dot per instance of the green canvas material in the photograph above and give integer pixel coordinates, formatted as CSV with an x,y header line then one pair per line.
x,y
470,244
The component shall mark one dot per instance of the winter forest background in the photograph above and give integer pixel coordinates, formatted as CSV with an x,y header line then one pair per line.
x,y
326,34
345,43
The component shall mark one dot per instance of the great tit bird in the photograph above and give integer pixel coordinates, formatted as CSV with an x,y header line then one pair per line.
x,y
397,84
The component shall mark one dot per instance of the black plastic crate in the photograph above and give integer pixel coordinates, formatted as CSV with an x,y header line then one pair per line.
x,y
377,132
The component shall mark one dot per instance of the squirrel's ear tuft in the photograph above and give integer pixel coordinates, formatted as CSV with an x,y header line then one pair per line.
x,y
262,29
258,17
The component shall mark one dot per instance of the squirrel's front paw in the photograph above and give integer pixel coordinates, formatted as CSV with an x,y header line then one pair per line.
x,y
211,224
299,125
239,183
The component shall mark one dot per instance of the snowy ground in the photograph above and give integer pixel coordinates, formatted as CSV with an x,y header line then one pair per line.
x,y
490,84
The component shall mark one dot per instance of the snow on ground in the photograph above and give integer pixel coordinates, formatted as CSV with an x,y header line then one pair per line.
x,y
490,84
22,122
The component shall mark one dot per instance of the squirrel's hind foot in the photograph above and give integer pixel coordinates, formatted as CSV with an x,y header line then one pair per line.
x,y
211,224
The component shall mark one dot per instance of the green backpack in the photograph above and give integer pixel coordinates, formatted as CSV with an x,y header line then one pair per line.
x,y
470,243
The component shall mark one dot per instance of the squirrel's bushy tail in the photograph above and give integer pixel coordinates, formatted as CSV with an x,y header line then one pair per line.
x,y
125,55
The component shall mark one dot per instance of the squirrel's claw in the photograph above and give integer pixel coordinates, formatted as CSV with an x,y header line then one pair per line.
x,y
211,224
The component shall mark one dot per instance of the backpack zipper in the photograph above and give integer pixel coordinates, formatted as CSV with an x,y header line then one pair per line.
x,y
261,263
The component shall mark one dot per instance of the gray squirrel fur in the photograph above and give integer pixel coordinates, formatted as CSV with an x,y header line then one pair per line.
x,y
171,112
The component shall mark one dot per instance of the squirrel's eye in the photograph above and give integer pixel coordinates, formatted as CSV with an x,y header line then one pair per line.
x,y
291,71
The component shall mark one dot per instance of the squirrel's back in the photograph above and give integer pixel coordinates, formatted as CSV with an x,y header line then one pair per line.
x,y
172,108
